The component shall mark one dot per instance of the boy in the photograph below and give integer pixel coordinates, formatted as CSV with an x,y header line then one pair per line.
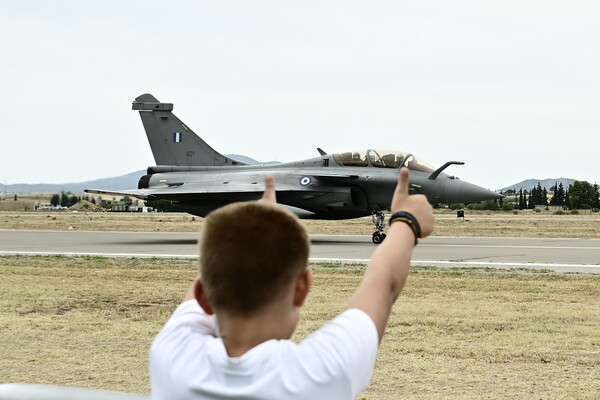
x,y
229,339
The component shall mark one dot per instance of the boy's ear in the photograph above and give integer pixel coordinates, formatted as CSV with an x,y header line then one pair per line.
x,y
201,298
303,283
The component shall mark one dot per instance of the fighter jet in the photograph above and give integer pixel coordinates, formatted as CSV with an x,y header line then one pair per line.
x,y
351,184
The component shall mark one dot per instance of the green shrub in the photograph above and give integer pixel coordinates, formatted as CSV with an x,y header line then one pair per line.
x,y
508,206
491,205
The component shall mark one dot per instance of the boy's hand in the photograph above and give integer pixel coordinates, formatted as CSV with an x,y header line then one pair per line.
x,y
390,263
415,204
269,194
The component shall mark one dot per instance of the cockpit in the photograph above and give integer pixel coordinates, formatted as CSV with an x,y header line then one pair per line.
x,y
381,159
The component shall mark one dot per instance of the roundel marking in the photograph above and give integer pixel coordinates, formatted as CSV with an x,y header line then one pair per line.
x,y
305,180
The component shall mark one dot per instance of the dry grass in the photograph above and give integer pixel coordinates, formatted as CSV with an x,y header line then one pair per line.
x,y
18,205
524,224
460,334
101,221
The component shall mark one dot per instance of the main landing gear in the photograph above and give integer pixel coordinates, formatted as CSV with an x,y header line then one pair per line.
x,y
379,221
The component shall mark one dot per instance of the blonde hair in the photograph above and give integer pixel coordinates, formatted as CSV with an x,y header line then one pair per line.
x,y
250,253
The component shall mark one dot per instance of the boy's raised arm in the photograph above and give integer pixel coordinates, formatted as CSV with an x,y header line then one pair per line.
x,y
388,269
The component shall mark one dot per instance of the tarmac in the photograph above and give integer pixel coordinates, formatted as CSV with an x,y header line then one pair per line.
x,y
560,255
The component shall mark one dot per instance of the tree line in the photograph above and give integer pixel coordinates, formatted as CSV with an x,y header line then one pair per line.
x,y
64,200
579,195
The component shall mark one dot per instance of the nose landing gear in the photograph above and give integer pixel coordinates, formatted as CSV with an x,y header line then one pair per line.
x,y
379,222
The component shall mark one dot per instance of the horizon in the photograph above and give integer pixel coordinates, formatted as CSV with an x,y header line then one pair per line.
x,y
510,88
142,171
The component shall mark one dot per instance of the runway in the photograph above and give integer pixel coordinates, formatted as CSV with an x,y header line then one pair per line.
x,y
563,255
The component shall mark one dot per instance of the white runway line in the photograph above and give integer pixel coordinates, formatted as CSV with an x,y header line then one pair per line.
x,y
505,264
458,263
75,254
492,246
317,259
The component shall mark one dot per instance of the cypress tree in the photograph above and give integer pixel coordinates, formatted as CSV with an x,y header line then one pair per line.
x,y
545,197
554,199
64,199
521,200
538,195
561,195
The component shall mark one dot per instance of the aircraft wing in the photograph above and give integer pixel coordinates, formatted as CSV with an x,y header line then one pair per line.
x,y
220,187
204,191
181,190
187,189
139,193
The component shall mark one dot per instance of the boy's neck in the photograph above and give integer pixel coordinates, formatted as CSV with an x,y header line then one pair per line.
x,y
240,334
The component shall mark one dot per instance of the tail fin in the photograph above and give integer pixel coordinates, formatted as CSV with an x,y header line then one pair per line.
x,y
172,142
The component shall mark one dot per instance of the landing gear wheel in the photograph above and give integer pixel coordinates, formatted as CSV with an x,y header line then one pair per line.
x,y
379,222
378,237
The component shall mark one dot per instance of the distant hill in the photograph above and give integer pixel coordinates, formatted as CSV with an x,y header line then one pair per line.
x,y
250,161
545,183
130,181
127,181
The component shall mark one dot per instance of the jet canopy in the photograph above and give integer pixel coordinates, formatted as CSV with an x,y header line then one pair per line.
x,y
381,159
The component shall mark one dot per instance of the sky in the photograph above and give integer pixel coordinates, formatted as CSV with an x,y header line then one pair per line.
x,y
511,88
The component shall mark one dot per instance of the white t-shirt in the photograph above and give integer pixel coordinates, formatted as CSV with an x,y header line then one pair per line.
x,y
188,361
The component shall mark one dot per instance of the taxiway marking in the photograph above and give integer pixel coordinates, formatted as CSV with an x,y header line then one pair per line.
x,y
316,259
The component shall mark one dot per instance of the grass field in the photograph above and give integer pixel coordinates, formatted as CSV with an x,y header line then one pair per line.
x,y
522,224
454,334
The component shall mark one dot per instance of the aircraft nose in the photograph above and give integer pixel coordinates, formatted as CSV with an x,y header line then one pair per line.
x,y
465,192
